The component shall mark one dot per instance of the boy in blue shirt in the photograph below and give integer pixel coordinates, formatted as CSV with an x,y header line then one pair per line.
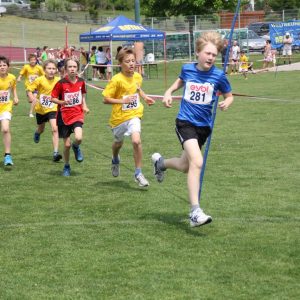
x,y
201,82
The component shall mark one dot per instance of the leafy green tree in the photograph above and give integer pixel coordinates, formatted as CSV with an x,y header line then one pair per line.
x,y
284,4
168,8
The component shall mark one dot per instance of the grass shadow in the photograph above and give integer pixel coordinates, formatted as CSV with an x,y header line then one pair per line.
x,y
121,184
179,221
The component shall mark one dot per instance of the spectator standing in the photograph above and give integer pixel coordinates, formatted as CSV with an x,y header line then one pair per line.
x,y
287,47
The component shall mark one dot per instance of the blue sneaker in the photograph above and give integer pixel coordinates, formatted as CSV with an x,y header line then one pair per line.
x,y
8,160
36,137
77,152
66,170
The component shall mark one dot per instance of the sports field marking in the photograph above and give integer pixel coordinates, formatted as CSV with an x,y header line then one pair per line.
x,y
149,222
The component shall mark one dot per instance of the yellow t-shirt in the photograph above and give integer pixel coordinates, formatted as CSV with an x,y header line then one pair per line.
x,y
244,62
44,87
120,86
7,84
31,73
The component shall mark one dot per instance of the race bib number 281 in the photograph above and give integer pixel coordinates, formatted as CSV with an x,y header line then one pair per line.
x,y
198,93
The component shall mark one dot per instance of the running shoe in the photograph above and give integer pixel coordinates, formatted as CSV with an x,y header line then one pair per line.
x,y
141,180
36,137
66,170
198,218
115,168
159,174
56,157
8,160
77,152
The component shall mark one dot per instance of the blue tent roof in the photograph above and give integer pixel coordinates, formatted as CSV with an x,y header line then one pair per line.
x,y
122,29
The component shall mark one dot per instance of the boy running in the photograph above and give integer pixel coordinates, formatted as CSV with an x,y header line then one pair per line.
x,y
201,82
31,71
45,109
69,93
124,92
7,87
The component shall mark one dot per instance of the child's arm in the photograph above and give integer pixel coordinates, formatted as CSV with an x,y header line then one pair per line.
x,y
108,100
16,99
19,78
31,96
168,94
84,106
148,100
228,99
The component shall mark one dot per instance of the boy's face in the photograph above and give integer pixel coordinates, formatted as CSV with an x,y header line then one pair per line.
x,y
3,68
128,64
207,56
72,68
50,70
32,61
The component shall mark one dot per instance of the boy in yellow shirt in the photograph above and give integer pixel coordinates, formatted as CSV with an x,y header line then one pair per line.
x,y
30,72
7,87
45,109
245,66
124,92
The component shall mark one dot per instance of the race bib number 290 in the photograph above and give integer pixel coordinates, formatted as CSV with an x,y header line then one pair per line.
x,y
198,93
73,99
134,104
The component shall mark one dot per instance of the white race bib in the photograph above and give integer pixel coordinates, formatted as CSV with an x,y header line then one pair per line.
x,y
73,99
198,93
45,101
4,96
134,104
31,78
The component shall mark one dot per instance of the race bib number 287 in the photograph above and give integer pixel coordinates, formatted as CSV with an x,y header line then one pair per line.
x,y
198,93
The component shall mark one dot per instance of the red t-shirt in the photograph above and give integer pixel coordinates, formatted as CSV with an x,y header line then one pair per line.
x,y
65,89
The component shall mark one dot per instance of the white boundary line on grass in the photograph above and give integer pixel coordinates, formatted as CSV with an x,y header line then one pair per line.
x,y
148,222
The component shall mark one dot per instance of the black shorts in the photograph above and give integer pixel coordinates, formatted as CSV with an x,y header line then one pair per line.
x,y
187,131
41,119
64,131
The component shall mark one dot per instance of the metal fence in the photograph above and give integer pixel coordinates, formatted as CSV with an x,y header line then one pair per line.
x,y
180,23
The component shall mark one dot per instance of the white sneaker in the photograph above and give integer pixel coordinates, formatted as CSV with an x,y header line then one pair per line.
x,y
159,174
141,180
115,169
198,218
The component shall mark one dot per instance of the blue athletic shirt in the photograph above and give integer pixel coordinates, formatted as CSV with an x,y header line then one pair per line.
x,y
200,93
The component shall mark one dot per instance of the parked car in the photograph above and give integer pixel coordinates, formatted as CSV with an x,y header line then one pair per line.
x,y
261,28
248,39
19,3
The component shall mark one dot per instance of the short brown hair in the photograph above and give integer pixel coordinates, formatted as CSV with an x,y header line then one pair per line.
x,y
31,55
49,61
4,59
209,37
123,52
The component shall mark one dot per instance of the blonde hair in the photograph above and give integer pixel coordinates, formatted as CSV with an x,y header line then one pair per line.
x,y
209,37
123,52
49,61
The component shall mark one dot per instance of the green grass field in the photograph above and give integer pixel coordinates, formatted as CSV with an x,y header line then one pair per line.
x,y
91,236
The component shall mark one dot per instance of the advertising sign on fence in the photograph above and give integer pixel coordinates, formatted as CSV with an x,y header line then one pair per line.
x,y
279,29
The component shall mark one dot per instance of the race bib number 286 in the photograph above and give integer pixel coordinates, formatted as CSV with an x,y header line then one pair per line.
x,y
73,99
198,93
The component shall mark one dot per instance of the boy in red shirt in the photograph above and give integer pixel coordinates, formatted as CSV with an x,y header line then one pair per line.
x,y
69,94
